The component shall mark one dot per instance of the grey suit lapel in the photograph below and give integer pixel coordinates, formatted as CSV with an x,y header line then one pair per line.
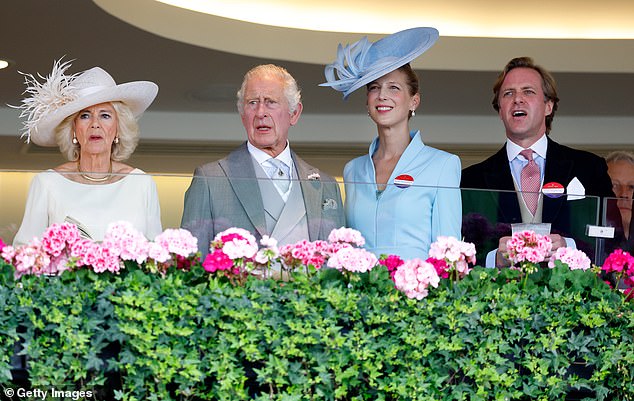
x,y
312,193
241,175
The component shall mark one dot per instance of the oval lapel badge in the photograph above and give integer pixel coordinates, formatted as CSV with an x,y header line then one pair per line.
x,y
553,189
403,180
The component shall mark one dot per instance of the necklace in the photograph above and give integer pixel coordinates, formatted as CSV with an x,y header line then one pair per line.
x,y
93,179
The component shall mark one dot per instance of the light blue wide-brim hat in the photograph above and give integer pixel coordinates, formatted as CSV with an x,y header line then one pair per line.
x,y
362,62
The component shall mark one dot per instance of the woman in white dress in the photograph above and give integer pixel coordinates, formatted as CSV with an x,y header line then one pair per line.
x,y
93,121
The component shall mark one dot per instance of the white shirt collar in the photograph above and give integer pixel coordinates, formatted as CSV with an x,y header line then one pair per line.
x,y
539,147
261,156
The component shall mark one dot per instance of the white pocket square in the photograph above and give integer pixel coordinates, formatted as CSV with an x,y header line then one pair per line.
x,y
575,190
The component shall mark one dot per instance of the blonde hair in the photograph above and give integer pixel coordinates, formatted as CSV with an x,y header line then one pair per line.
x,y
127,132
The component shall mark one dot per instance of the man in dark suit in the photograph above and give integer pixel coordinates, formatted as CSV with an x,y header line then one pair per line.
x,y
525,97
263,186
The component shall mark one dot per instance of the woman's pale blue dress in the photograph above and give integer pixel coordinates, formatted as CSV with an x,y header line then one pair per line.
x,y
405,220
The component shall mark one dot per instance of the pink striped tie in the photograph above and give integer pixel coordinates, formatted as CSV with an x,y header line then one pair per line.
x,y
530,181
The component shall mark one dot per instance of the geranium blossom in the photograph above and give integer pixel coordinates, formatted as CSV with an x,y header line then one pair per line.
x,y
269,251
574,258
456,254
622,265
414,277
442,268
356,260
62,248
236,243
392,262
217,261
527,246
58,236
618,262
307,253
346,235
125,241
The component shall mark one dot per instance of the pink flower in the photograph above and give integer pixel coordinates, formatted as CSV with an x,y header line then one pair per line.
x,y
414,278
236,243
347,235
574,258
8,253
442,268
158,252
392,262
217,260
79,251
30,259
457,255
269,252
527,246
353,260
58,236
307,253
125,241
618,261
178,241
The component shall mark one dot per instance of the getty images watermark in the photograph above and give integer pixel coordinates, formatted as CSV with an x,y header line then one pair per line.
x,y
48,394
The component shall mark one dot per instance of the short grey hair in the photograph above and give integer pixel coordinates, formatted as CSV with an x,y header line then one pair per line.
x,y
620,155
291,89
127,132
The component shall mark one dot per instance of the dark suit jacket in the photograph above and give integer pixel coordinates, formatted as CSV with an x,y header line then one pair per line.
x,y
225,194
562,165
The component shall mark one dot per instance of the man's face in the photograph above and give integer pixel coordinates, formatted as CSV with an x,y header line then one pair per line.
x,y
266,116
622,175
523,106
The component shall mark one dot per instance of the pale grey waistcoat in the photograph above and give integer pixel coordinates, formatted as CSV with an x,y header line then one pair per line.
x,y
286,222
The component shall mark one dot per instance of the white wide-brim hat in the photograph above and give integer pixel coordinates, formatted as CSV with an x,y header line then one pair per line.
x,y
363,61
60,96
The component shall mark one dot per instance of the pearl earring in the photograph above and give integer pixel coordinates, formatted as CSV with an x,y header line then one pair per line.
x,y
75,141
413,113
116,139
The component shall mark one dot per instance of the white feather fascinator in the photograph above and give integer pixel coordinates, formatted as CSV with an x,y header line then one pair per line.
x,y
45,97
60,95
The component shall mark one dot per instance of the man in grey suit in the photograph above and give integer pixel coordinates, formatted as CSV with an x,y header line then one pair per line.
x,y
263,186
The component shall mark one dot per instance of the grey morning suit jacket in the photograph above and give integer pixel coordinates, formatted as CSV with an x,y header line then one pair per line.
x,y
225,194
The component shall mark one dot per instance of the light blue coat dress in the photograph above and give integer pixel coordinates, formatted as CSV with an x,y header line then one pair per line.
x,y
405,220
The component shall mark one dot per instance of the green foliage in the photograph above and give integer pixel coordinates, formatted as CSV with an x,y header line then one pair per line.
x,y
189,335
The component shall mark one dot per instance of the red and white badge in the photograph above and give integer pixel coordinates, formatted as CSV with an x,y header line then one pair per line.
x,y
404,181
553,189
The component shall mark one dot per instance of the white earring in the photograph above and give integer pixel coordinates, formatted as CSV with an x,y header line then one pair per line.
x,y
116,139
413,113
75,141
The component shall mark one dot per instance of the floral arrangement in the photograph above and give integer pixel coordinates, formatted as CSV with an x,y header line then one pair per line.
x,y
236,254
62,248
456,255
342,252
574,258
526,249
414,277
621,265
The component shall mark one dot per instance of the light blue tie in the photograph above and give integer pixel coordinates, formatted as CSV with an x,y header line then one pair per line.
x,y
280,174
